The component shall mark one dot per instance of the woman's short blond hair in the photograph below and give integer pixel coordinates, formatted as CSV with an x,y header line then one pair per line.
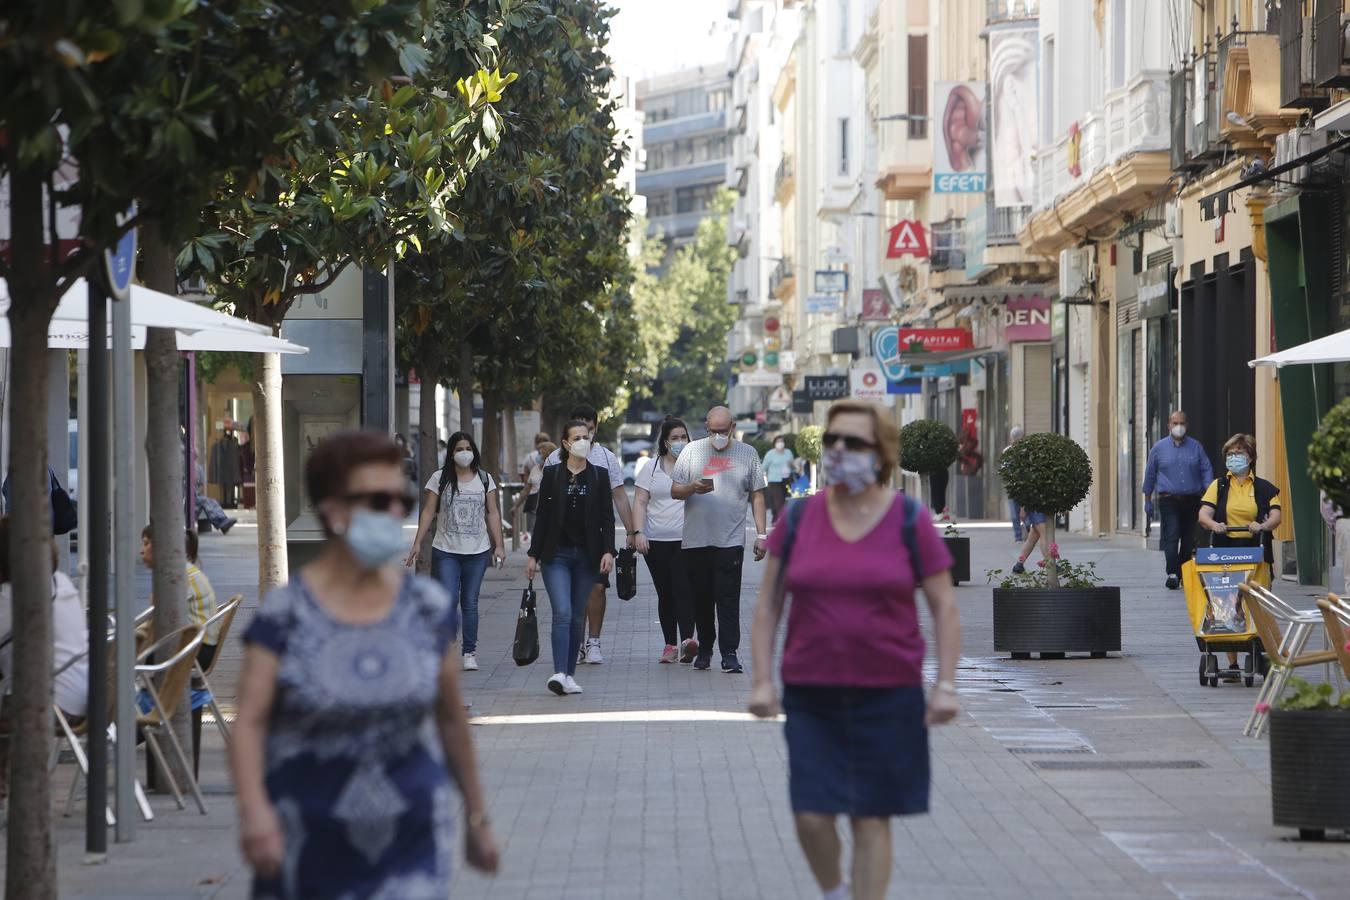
x,y
1241,443
886,431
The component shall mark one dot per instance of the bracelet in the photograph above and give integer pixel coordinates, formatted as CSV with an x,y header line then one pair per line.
x,y
945,686
761,537
632,534
478,820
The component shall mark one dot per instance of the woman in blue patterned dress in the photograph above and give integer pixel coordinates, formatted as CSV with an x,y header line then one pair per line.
x,y
350,724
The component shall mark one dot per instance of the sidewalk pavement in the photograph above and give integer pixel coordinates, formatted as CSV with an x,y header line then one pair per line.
x,y
1076,778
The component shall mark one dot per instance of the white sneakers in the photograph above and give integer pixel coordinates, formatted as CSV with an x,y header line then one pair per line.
x,y
561,684
591,652
470,662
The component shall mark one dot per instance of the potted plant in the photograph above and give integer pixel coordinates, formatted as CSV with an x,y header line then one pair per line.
x,y
1309,768
1058,606
1329,466
928,447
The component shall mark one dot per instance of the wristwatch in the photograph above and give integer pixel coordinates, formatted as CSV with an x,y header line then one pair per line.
x,y
632,533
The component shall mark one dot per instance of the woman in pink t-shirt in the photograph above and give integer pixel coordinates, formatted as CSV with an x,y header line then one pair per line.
x,y
857,717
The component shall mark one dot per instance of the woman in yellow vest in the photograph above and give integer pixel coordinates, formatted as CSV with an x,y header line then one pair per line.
x,y
1241,509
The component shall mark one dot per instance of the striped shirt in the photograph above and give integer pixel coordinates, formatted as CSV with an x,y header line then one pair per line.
x,y
201,602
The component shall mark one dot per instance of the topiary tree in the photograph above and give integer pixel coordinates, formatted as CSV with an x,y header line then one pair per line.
x,y
1050,474
927,446
1329,455
808,443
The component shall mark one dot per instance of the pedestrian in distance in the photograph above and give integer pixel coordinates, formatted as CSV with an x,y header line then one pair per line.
x,y
1014,508
659,520
777,472
207,508
462,502
531,470
573,544
1178,470
717,477
350,722
853,557
1241,509
600,457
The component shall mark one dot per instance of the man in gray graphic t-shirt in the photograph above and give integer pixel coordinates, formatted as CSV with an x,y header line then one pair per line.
x,y
717,477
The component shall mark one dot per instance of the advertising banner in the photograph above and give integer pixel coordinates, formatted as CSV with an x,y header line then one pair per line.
x,y
1026,317
867,383
874,305
821,304
1013,115
959,139
826,387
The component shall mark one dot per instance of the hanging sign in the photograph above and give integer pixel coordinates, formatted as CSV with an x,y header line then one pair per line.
x,y
831,281
826,387
907,239
761,378
821,304
874,305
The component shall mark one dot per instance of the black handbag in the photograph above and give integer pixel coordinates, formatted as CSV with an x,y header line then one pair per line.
x,y
525,650
625,574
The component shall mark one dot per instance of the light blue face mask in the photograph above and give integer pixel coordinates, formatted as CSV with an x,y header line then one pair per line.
x,y
374,538
1237,464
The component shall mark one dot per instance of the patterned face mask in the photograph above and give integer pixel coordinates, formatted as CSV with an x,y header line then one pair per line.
x,y
853,470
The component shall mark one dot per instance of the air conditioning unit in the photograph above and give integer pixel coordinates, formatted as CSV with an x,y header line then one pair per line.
x,y
1077,271
1297,143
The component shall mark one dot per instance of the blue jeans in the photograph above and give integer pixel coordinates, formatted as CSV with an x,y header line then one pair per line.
x,y
1016,518
462,575
568,578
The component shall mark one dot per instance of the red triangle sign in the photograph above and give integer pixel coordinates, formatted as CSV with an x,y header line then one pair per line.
x,y
907,239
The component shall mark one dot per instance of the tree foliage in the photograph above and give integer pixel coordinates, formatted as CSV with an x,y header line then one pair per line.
x,y
927,446
683,318
1329,455
1048,473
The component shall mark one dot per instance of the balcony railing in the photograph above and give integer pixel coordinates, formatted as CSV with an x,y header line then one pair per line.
x,y
781,276
783,173
1004,224
1131,119
1298,87
1011,10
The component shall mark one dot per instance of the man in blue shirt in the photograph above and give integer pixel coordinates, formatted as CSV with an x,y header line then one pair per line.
x,y
1179,469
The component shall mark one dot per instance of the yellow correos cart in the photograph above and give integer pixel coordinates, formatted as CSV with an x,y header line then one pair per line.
x,y
1218,612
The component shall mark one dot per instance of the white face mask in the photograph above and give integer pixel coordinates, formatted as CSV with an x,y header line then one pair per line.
x,y
720,441
1178,431
677,446
464,458
580,448
778,445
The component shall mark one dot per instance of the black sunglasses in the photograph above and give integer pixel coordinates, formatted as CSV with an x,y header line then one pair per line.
x,y
381,501
851,441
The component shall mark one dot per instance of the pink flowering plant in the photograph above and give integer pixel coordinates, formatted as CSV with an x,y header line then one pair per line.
x,y
1305,695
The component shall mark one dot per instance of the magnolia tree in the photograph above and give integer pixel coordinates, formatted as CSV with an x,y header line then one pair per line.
x,y
1050,474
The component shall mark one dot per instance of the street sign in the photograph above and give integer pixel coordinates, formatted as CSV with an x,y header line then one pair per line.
x,y
826,387
907,239
120,262
759,379
831,281
867,384
780,399
802,402
822,304
874,305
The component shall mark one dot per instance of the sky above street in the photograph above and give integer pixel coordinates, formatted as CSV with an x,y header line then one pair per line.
x,y
652,37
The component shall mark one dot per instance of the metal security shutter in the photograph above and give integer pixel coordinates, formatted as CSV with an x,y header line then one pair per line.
x,y
1036,388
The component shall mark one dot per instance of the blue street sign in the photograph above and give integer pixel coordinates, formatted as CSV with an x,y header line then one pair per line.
x,y
120,261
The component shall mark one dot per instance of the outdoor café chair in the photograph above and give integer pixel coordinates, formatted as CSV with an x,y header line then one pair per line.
x,y
225,616
175,674
1336,616
1284,648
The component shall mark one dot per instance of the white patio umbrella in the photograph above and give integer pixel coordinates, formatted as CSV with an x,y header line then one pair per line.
x,y
1334,348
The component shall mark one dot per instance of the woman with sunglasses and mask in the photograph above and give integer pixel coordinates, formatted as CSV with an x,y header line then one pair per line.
x,y
573,543
462,500
658,519
853,558
350,723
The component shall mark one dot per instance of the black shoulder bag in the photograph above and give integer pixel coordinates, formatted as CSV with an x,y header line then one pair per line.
x,y
525,650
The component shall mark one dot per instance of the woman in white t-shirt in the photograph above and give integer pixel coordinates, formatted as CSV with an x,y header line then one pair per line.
x,y
659,521
463,502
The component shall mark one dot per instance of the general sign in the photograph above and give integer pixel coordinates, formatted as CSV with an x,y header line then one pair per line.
x,y
867,383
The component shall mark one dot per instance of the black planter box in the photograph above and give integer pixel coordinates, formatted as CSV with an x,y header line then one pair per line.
x,y
959,548
1310,769
1058,621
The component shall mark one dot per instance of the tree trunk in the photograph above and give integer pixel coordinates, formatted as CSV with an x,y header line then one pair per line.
x,y
492,435
512,465
430,428
464,386
31,870
269,475
1051,563
164,458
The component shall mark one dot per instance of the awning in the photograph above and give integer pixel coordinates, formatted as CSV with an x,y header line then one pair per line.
x,y
197,327
1334,348
938,357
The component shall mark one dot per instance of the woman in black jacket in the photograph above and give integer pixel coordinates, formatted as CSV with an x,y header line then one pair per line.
x,y
573,542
